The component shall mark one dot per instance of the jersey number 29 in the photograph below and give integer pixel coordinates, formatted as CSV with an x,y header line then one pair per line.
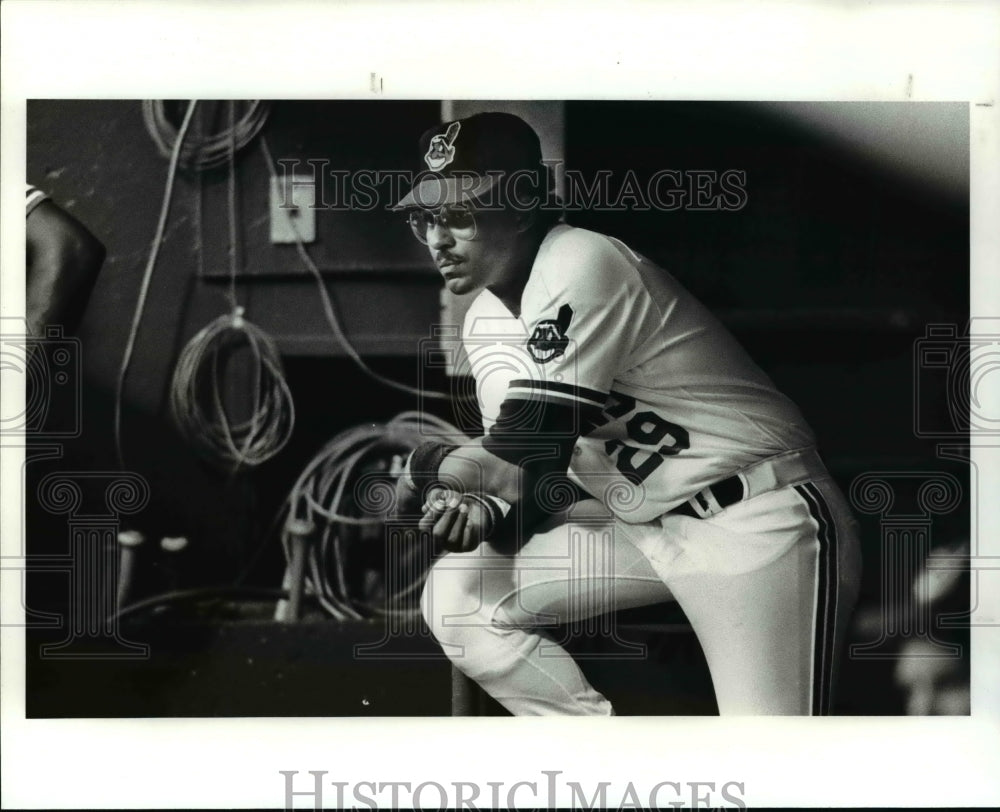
x,y
646,429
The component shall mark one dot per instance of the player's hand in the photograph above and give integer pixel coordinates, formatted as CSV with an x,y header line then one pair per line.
x,y
457,523
408,502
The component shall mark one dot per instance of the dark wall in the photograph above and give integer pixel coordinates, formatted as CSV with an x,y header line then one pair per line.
x,y
824,223
830,268
97,160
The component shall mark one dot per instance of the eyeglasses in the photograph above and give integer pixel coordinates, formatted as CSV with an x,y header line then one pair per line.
x,y
460,221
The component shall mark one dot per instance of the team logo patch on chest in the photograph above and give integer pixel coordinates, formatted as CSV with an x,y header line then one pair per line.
x,y
548,339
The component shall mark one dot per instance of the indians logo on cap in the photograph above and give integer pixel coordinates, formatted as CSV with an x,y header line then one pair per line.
x,y
440,153
549,340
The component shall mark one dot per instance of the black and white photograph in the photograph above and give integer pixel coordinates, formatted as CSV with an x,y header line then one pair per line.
x,y
346,426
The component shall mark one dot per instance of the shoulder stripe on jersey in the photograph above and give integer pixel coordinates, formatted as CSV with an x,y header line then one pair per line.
x,y
537,432
547,397
825,617
580,393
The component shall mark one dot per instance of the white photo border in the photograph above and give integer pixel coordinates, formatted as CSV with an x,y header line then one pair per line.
x,y
933,51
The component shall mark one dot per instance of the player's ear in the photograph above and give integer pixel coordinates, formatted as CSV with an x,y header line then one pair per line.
x,y
525,220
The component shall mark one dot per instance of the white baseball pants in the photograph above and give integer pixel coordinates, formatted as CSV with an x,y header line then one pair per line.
x,y
768,585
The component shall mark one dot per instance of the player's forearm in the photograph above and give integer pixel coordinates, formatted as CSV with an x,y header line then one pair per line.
x,y
512,468
477,470
63,261
481,475
40,294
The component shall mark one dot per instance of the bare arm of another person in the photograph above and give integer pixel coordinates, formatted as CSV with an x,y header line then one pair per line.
x,y
63,260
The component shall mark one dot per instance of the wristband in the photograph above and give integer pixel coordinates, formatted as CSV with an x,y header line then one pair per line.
x,y
425,460
502,504
493,514
496,510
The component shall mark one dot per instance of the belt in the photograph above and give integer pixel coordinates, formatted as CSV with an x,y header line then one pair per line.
x,y
790,468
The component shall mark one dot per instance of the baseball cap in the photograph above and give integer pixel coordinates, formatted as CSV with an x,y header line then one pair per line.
x,y
467,159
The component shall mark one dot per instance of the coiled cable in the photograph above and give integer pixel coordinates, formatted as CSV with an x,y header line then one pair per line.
x,y
208,151
331,318
345,493
197,403
196,396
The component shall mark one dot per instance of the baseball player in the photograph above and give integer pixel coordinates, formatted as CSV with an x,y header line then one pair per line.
x,y
633,453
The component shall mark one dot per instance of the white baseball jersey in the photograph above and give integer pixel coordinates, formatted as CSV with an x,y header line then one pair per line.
x,y
683,404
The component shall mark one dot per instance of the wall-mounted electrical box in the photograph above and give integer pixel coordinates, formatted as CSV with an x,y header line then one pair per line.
x,y
293,209
351,159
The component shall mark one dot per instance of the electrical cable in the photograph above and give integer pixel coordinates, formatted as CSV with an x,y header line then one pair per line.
x,y
195,395
335,326
177,596
148,275
346,488
321,491
198,153
196,400
208,151
233,244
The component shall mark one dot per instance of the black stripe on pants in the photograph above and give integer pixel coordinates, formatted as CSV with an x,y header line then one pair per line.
x,y
824,637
